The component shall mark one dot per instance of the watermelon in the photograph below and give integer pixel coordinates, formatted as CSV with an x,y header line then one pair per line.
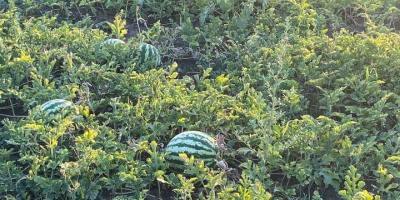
x,y
55,106
114,41
192,143
149,54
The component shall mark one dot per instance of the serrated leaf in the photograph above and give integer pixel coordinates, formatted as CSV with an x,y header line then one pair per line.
x,y
330,178
159,173
39,180
244,151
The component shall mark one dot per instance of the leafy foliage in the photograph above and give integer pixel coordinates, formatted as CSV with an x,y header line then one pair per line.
x,y
305,93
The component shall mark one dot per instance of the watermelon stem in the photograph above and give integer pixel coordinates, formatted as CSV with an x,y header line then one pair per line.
x,y
13,116
159,189
12,106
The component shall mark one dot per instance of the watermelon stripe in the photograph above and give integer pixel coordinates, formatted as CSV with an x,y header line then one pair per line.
x,y
194,133
178,160
149,52
196,137
181,164
193,141
177,166
143,53
53,110
190,150
114,41
52,103
196,146
207,162
175,155
55,105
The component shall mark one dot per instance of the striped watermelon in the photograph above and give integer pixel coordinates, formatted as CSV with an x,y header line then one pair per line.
x,y
198,144
149,54
55,106
114,41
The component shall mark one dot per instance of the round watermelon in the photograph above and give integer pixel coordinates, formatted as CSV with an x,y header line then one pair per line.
x,y
149,54
113,41
192,143
55,106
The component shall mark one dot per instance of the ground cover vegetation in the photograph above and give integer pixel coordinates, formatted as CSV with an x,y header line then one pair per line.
x,y
304,92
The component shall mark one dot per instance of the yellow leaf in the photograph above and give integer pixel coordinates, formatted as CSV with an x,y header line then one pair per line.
x,y
79,139
380,82
90,135
153,145
184,157
174,75
182,120
53,143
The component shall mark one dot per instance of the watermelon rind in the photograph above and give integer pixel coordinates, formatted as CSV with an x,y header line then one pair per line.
x,y
113,41
192,143
149,54
55,106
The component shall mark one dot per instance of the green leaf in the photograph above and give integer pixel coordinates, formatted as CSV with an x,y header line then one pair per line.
x,y
159,173
245,151
330,178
